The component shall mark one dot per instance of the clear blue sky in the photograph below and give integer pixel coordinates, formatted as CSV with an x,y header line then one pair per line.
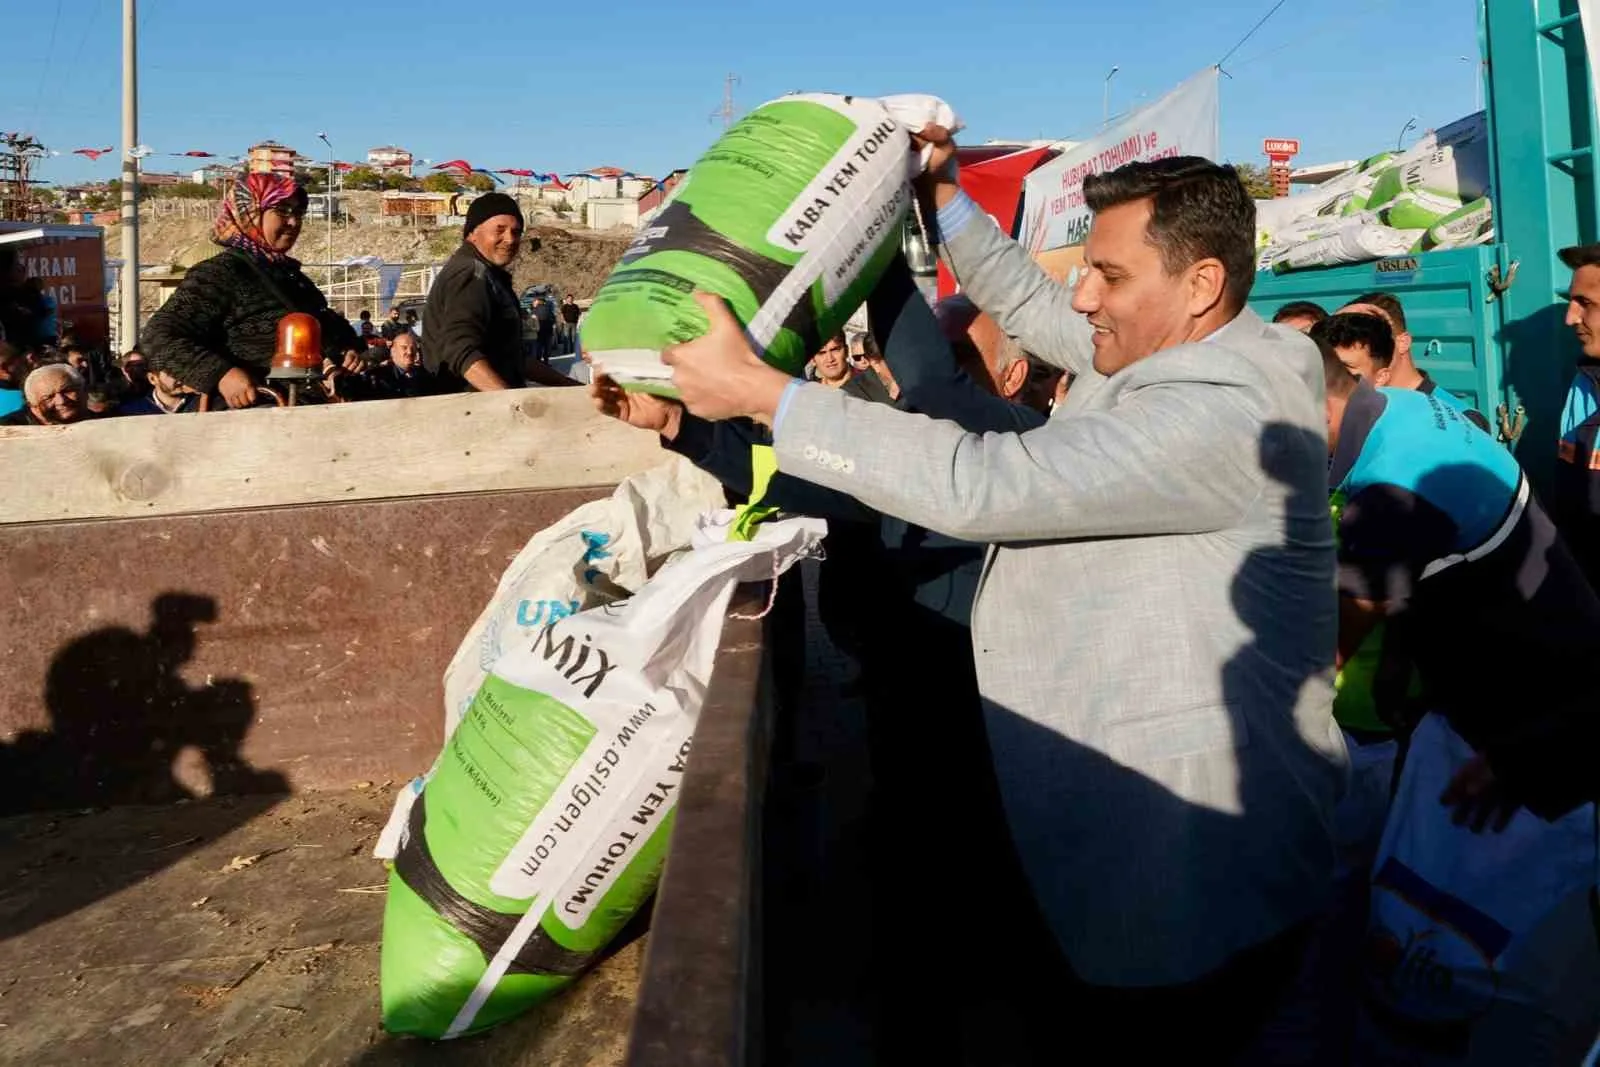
x,y
510,85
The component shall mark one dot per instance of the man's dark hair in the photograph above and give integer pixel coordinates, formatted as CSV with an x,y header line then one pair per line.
x,y
1352,329
1389,304
366,316
1336,377
1581,256
1199,211
1301,309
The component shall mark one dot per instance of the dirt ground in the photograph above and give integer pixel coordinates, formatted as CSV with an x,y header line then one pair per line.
x,y
240,932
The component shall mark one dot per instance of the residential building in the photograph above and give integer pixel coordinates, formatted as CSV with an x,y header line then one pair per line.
x,y
73,196
154,179
391,159
212,174
270,157
611,212
423,209
608,182
652,200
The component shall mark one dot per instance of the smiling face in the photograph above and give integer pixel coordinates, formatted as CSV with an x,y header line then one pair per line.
x,y
497,239
1583,309
280,225
1135,307
58,400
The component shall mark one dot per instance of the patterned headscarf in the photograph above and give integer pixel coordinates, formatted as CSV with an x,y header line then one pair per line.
x,y
245,204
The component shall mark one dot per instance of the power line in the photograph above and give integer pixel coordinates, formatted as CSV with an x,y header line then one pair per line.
x,y
49,58
1345,20
83,38
1240,43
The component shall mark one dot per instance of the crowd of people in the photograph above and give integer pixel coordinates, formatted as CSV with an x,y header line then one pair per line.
x,y
1256,654
212,344
1195,613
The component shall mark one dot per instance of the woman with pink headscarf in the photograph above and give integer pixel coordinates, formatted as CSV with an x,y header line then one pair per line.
x,y
218,331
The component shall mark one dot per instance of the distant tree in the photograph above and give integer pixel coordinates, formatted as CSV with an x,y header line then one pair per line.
x,y
314,181
440,182
190,191
392,180
481,183
363,178
1256,179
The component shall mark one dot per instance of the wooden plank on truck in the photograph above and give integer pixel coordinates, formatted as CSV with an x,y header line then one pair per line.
x,y
170,465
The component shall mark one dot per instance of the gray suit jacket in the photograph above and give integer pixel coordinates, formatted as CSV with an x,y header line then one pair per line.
x,y
1156,625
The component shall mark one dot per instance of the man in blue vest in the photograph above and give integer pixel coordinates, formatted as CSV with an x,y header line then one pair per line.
x,y
1440,538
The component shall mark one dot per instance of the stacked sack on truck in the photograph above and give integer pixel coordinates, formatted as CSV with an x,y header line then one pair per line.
x,y
791,217
1435,195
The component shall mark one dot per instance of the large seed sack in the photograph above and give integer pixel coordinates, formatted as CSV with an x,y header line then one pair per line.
x,y
1479,949
1447,167
1358,243
791,217
1469,225
545,821
1417,189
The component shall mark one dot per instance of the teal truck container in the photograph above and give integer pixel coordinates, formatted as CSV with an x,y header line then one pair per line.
x,y
1487,322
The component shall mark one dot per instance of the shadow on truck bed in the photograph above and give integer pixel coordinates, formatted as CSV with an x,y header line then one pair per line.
x,y
125,727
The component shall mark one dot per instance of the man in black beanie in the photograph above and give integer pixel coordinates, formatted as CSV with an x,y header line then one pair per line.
x,y
473,322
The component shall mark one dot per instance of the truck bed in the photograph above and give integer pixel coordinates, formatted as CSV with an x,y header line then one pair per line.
x,y
235,931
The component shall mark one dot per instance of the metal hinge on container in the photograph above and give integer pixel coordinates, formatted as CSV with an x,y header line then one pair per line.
x,y
1511,425
1498,285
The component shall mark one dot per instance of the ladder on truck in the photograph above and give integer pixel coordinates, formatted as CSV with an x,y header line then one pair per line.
x,y
1541,110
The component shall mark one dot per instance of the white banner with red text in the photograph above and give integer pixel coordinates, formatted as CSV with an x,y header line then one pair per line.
x,y
1182,123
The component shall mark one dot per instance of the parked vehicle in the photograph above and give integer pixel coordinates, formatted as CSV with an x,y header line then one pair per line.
x,y
1488,320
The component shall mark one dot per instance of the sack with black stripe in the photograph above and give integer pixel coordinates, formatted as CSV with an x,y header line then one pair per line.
x,y
544,823
791,217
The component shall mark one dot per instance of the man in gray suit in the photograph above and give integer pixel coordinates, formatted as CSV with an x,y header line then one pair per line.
x,y
1156,626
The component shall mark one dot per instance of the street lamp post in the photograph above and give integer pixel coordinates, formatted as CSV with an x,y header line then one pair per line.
x,y
128,297
1400,142
1105,107
327,205
1477,80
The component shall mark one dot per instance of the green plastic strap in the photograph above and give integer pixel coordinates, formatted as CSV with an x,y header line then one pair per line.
x,y
763,465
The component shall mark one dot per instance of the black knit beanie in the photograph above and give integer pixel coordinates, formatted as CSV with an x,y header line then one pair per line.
x,y
487,207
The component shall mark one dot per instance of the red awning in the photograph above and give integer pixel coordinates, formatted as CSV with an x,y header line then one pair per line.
x,y
996,184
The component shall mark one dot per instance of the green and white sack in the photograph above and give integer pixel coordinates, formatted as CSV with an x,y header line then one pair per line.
x,y
1357,243
791,217
1471,224
597,554
543,827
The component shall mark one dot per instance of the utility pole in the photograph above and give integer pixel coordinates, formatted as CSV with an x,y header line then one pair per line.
x,y
726,111
1105,106
128,300
327,204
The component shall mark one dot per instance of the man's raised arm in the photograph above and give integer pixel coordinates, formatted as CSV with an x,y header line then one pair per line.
x,y
999,276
